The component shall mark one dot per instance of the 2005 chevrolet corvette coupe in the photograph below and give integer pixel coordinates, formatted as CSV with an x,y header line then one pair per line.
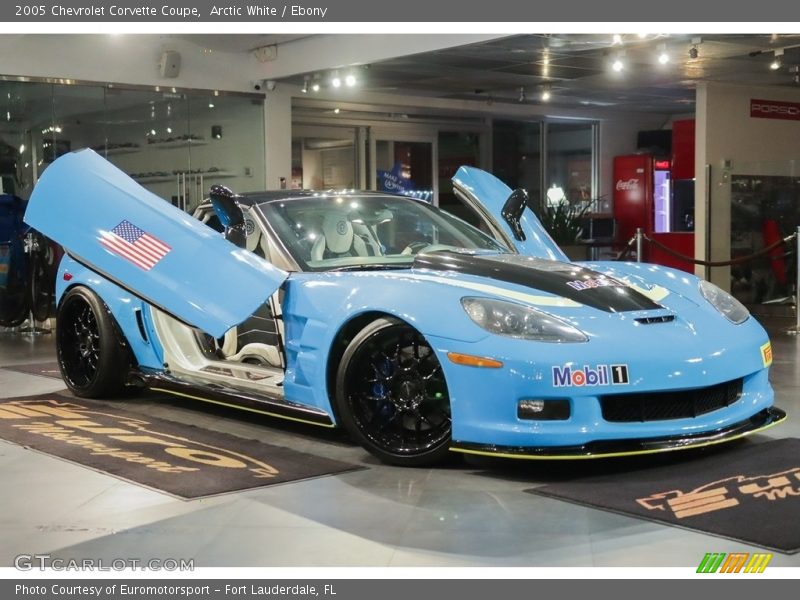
x,y
416,332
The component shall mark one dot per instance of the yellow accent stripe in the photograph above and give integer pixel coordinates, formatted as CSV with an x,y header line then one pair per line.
x,y
612,454
247,408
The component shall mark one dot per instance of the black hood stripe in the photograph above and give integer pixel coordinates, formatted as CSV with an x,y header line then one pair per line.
x,y
562,279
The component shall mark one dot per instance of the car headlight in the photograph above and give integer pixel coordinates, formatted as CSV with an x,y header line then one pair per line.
x,y
517,321
728,306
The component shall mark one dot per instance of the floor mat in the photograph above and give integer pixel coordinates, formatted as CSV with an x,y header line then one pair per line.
x,y
750,494
43,369
182,460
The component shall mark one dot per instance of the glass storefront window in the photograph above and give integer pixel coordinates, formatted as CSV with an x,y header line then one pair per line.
x,y
175,143
324,158
456,150
569,163
516,155
405,168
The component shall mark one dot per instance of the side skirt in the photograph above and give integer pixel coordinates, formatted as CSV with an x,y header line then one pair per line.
x,y
215,394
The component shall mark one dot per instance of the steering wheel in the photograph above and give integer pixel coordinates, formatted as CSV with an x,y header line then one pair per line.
x,y
420,247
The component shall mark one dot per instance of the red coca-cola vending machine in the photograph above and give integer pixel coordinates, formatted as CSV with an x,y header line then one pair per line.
x,y
657,194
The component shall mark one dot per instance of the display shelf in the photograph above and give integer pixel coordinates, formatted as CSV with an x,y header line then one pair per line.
x,y
177,144
117,151
174,177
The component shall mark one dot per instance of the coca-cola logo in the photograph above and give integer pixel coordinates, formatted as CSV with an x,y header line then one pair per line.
x,y
627,185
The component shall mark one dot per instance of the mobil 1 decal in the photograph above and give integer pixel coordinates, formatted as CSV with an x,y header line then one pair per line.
x,y
590,376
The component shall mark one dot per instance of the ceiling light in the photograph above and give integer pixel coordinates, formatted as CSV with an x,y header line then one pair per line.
x,y
315,87
22,149
336,111
546,94
210,105
618,65
336,81
350,80
663,56
776,64
641,36
305,86
616,39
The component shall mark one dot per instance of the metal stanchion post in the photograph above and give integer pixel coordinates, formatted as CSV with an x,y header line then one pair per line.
x,y
31,247
639,243
796,329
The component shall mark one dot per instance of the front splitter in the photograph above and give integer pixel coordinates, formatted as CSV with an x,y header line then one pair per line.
x,y
760,421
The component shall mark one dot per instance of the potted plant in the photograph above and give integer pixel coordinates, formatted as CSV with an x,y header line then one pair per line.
x,y
564,222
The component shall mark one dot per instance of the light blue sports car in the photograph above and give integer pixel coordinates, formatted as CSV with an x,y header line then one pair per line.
x,y
416,332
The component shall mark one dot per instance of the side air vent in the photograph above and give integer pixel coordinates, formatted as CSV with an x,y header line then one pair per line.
x,y
654,320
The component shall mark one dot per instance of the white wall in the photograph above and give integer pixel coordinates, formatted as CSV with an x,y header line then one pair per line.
x,y
725,130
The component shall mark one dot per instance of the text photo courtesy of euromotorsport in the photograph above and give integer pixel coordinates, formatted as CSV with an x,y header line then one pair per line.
x,y
172,591
168,10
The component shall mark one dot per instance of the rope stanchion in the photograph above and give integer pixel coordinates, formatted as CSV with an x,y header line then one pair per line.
x,y
723,263
796,329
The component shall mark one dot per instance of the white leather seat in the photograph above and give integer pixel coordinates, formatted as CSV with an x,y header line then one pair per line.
x,y
337,239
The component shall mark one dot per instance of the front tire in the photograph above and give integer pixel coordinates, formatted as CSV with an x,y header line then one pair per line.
x,y
93,359
391,395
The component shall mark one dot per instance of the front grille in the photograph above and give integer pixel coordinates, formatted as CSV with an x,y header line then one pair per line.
x,y
663,406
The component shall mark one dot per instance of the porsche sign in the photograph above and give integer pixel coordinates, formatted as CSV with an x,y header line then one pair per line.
x,y
772,109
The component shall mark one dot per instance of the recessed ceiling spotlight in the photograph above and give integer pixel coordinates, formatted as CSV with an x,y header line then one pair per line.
x,y
336,81
546,94
618,65
336,111
350,80
210,105
315,87
616,39
663,56
776,64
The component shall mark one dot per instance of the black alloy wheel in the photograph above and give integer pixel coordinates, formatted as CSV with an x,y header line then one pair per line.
x,y
391,395
93,360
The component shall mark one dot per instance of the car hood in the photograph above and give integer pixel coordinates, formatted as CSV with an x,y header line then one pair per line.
x,y
564,284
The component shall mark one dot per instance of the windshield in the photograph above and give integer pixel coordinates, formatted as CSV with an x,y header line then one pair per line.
x,y
333,231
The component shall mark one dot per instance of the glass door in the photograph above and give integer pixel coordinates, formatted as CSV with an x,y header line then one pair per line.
x,y
404,164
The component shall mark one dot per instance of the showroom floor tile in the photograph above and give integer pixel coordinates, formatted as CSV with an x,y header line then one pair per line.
x,y
472,513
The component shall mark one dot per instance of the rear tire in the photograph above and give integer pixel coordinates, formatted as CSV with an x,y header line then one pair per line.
x,y
391,395
93,359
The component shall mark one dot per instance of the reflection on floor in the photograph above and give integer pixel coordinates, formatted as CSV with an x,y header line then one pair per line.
x,y
470,513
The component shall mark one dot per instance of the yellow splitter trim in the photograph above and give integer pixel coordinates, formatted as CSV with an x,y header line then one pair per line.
x,y
614,454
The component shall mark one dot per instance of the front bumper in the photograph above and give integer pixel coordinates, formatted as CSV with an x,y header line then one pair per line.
x,y
630,447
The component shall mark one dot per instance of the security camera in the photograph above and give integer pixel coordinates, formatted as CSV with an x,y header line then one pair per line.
x,y
257,85
693,52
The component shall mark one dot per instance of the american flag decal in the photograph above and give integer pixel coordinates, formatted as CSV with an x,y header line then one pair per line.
x,y
135,245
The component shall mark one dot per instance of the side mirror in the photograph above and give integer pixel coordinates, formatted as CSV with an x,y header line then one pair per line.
x,y
513,210
230,215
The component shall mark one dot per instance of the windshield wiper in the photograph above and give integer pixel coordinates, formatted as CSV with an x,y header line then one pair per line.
x,y
371,267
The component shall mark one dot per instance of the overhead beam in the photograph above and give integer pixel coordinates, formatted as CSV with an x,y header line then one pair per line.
x,y
321,52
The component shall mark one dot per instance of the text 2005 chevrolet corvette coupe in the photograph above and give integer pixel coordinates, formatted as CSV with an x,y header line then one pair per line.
x,y
416,332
